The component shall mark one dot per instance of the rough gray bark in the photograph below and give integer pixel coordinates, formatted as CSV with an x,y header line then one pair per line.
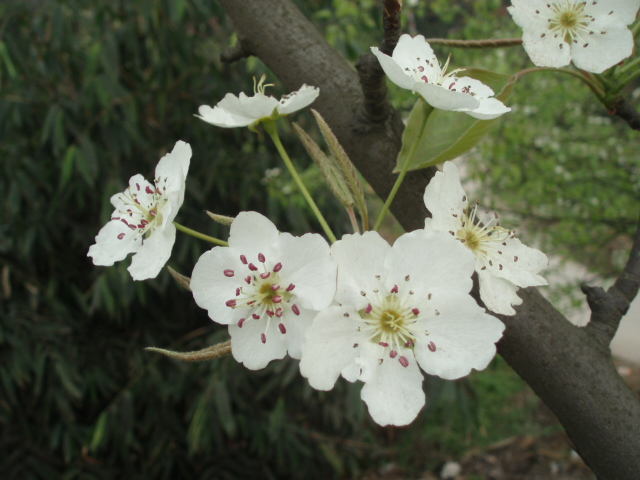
x,y
567,367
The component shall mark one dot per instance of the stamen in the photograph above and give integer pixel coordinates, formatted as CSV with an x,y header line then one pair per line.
x,y
282,328
231,303
368,309
241,322
393,354
243,259
432,346
394,289
265,275
263,337
295,309
415,311
229,273
253,268
275,287
290,287
261,258
277,267
403,361
255,316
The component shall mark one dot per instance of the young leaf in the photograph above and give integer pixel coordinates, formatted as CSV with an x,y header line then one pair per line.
x,y
448,135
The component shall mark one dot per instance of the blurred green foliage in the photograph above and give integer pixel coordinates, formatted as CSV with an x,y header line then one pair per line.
x,y
92,92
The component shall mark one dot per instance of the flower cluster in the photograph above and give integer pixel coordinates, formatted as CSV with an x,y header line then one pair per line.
x,y
593,35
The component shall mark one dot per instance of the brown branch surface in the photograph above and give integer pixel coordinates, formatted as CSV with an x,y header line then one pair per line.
x,y
564,364
489,43
625,111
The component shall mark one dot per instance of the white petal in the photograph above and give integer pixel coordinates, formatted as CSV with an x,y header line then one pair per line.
x,y
489,109
180,155
462,335
624,11
240,111
393,393
251,234
298,100
247,346
520,264
603,51
212,288
433,261
329,346
306,263
441,97
113,243
360,258
296,329
525,16
412,52
444,196
498,294
547,50
140,187
395,73
479,89
153,254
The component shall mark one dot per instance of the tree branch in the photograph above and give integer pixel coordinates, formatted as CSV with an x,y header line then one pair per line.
x,y
608,308
489,43
625,111
561,362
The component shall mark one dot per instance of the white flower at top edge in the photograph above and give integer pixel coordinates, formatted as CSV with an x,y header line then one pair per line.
x,y
503,263
399,307
244,111
593,34
415,67
142,222
267,286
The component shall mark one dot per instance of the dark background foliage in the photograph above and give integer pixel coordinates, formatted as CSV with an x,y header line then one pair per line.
x,y
92,92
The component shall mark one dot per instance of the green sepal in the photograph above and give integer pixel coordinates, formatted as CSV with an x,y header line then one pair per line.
x,y
447,135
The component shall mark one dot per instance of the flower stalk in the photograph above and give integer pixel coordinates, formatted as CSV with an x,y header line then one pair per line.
x,y
272,129
199,235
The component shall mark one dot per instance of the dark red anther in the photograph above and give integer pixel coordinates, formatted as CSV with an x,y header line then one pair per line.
x,y
263,337
148,190
279,312
452,85
152,212
256,316
253,268
265,275
231,303
271,313
295,309
394,289
138,186
290,287
140,226
409,344
261,258
393,354
248,280
368,309
241,322
424,77
404,362
277,299
144,222
120,236
415,311
243,259
432,347
384,344
282,328
228,273
277,267
132,226
238,290
275,287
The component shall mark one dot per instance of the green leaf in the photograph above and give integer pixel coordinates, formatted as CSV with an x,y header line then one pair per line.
x,y
99,432
448,135
66,170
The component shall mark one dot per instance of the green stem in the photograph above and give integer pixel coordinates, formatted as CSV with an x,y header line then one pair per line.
x,y
635,30
405,168
628,79
595,88
629,66
272,129
199,235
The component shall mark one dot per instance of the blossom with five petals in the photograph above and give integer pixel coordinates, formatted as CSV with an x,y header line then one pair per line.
x,y
415,67
502,262
399,307
594,34
142,222
267,286
244,111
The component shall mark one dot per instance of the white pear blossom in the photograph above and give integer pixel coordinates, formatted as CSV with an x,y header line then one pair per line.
x,y
415,67
267,286
503,263
593,34
399,307
142,222
244,111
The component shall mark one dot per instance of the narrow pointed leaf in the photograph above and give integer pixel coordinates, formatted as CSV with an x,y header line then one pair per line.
x,y
327,167
209,353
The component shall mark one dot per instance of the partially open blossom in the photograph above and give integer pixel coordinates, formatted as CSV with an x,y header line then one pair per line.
x,y
399,307
415,67
267,286
593,34
244,111
142,220
503,263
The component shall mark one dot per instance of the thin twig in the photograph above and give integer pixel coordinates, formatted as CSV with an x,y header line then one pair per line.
x,y
625,111
488,43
